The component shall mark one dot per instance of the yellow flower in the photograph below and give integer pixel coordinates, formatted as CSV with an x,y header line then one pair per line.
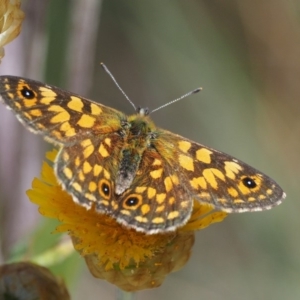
x,y
11,17
129,259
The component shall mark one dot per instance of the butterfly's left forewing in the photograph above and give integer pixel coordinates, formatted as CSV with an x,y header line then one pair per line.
x,y
60,116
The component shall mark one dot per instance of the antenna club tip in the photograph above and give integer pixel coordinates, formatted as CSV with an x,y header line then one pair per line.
x,y
103,65
197,90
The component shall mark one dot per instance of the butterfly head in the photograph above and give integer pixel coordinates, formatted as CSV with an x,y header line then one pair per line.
x,y
143,111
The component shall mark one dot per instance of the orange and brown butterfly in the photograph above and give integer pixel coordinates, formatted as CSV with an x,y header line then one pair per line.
x,y
145,177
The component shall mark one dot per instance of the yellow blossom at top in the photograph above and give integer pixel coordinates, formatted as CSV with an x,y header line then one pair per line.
x,y
11,17
130,259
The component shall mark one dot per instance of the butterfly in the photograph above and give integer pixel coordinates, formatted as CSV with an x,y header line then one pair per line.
x,y
143,176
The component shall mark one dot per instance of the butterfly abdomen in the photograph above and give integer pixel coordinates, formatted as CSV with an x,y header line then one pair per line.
x,y
136,141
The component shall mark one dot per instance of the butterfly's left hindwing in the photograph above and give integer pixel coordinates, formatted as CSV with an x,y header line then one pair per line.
x,y
61,117
85,168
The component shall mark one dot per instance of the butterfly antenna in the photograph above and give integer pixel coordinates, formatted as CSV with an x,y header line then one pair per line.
x,y
116,83
178,99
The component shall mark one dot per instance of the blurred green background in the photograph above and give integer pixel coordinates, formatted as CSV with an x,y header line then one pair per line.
x,y
245,55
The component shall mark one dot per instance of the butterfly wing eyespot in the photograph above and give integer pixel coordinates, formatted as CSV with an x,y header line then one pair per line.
x,y
133,201
104,188
249,182
27,93
62,117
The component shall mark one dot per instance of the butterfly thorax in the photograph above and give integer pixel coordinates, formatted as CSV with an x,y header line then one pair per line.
x,y
138,132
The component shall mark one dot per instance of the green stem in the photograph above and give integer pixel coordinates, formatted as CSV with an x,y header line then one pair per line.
x,y
121,295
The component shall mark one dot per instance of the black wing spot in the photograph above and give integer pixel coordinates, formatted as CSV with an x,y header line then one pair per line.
x,y
249,183
27,93
132,201
104,189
